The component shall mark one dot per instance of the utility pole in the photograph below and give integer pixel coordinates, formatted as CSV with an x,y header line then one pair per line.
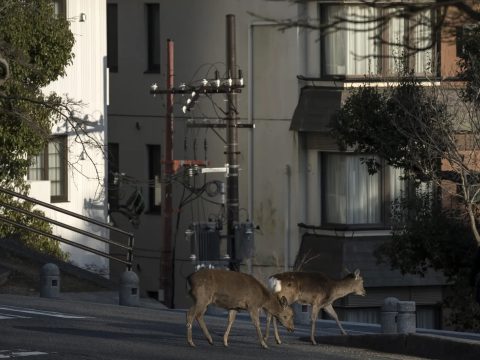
x,y
166,268
232,144
231,86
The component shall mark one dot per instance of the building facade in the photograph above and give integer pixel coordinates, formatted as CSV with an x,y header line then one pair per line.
x,y
71,173
304,197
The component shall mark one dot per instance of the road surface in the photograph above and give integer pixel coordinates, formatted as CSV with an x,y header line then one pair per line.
x,y
34,328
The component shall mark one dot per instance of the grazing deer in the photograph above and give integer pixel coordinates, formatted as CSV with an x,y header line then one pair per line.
x,y
315,289
233,291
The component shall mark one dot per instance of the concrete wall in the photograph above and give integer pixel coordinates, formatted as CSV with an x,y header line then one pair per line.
x,y
270,62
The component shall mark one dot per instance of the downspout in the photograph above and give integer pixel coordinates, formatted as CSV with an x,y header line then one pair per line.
x,y
250,143
287,240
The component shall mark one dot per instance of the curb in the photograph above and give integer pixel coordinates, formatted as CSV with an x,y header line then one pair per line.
x,y
4,274
427,346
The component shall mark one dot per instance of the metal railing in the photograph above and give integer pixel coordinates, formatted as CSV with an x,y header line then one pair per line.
x,y
128,247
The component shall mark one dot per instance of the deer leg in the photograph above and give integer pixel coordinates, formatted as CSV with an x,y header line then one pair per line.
x,y
190,316
231,319
330,311
267,326
313,319
203,326
275,331
254,314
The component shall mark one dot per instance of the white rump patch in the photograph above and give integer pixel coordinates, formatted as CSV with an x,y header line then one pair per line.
x,y
274,284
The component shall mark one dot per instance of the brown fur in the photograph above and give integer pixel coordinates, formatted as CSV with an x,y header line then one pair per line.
x,y
319,291
233,291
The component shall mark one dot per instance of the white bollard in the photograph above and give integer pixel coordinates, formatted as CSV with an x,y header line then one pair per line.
x,y
302,313
406,318
388,315
49,281
129,291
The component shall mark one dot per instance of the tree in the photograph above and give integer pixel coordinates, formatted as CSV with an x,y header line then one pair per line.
x,y
433,133
442,16
37,46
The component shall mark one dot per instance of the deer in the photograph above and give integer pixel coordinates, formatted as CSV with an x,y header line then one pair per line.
x,y
233,291
315,289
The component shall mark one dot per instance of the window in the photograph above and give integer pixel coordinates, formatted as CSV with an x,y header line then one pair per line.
x,y
357,49
113,178
60,8
351,196
112,37
154,176
51,165
153,37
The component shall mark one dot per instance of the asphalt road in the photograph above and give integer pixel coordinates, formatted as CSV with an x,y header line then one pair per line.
x,y
37,329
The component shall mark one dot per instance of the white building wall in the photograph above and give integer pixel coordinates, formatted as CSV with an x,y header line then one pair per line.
x,y
85,82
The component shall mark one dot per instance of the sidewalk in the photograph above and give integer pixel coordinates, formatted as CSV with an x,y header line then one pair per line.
x,y
108,297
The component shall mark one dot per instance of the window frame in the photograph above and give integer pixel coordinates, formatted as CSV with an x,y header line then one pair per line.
x,y
60,8
154,169
63,152
113,192
112,38
385,193
382,58
45,168
152,10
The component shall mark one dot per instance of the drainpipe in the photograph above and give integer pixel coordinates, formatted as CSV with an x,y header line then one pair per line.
x,y
286,243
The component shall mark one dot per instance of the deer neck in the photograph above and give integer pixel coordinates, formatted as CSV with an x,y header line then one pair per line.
x,y
272,305
342,288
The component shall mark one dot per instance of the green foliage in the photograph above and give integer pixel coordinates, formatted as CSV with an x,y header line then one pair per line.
x,y
422,234
464,312
382,122
38,47
38,242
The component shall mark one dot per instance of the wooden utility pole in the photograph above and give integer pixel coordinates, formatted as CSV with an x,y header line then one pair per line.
x,y
232,143
166,269
231,86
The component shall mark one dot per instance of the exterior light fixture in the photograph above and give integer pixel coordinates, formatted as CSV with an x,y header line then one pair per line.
x,y
240,77
216,82
83,17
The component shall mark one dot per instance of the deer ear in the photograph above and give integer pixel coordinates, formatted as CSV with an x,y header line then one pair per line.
x,y
357,274
283,301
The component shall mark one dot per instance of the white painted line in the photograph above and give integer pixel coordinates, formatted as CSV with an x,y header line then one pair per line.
x,y
8,354
11,316
43,313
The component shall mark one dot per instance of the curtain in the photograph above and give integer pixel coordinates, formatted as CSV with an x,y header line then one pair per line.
x,y
422,33
397,184
352,48
352,195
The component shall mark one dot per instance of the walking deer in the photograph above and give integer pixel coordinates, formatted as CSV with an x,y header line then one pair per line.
x,y
233,291
315,289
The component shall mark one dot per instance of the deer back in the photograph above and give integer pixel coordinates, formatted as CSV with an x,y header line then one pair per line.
x,y
228,289
310,287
